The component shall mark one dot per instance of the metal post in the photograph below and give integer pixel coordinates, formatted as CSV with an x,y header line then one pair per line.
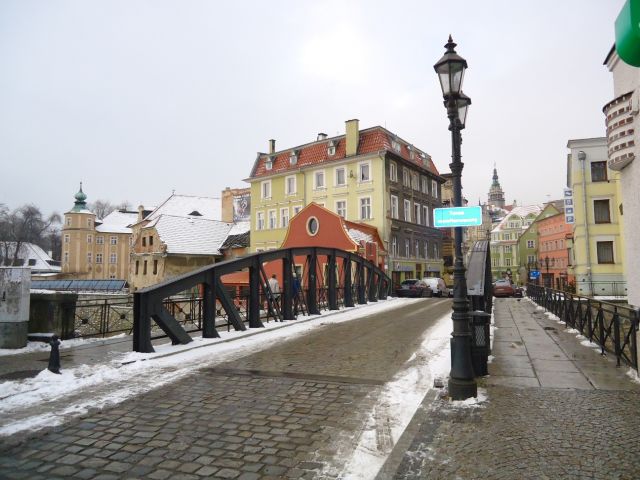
x,y
286,298
462,384
332,283
348,287
209,307
312,284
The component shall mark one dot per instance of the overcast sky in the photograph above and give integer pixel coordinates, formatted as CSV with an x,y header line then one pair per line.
x,y
138,98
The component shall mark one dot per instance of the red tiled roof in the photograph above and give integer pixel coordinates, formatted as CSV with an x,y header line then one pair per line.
x,y
371,140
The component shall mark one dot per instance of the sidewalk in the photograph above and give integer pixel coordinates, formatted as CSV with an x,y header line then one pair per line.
x,y
551,408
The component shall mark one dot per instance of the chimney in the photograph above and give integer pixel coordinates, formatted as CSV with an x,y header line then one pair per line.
x,y
353,135
272,146
140,213
321,136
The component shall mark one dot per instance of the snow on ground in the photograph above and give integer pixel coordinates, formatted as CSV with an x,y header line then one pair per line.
x,y
400,399
77,390
45,347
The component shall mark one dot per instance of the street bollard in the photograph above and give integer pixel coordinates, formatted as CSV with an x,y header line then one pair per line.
x,y
54,357
480,342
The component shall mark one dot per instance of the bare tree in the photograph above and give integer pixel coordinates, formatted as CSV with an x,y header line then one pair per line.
x,y
22,225
101,208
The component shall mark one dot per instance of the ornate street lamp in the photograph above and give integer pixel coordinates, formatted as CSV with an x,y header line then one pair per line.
x,y
450,69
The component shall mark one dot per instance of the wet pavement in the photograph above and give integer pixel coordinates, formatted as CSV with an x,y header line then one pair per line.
x,y
550,408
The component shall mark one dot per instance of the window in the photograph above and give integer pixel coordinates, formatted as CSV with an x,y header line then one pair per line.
x,y
417,248
265,189
113,258
416,212
331,150
318,180
67,238
290,185
150,240
155,267
269,163
426,249
507,262
144,268
415,181
507,236
89,238
341,208
89,257
407,248
601,213
113,240
89,222
365,208
605,252
99,240
434,188
297,209
531,259
364,172
598,171
425,185
144,241
394,206
406,177
259,220
341,177
393,172
425,215
293,157
99,258
66,257
436,251
68,221
530,244
284,217
395,145
407,210
394,246
137,266
272,220
507,248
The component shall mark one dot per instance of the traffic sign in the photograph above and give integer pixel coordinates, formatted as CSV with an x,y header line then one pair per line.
x,y
457,217
534,274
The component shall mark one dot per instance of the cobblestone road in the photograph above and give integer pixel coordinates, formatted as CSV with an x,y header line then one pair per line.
x,y
287,412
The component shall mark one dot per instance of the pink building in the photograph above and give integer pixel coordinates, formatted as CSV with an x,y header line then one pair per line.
x,y
554,242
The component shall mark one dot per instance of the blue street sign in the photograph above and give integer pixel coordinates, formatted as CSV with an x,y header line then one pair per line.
x,y
457,217
534,274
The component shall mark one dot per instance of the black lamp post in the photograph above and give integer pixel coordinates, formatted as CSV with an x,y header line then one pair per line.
x,y
547,283
450,69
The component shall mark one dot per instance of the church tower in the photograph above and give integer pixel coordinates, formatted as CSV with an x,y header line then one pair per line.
x,y
496,195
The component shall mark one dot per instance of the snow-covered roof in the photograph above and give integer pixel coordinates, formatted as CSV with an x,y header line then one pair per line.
x,y
240,228
209,208
34,257
191,235
522,212
117,222
358,235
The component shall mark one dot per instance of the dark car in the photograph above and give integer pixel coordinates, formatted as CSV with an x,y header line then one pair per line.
x,y
518,291
503,288
413,287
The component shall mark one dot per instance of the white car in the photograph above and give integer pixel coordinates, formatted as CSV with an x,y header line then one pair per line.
x,y
438,286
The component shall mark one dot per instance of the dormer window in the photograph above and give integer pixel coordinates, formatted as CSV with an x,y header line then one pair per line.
x,y
269,163
395,145
411,152
293,157
332,148
195,213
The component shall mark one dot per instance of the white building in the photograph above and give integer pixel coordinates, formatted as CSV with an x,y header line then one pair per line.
x,y
621,119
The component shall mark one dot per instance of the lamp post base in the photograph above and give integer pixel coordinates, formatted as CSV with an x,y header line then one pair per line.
x,y
462,389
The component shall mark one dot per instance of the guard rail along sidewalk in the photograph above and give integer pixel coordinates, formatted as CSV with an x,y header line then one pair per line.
x,y
613,327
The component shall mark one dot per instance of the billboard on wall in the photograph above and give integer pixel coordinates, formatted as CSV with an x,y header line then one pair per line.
x,y
242,207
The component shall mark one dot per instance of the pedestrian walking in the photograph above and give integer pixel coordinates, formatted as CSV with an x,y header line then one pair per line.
x,y
296,294
274,286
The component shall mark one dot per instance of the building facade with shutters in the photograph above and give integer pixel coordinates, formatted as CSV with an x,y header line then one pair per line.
x,y
370,176
598,243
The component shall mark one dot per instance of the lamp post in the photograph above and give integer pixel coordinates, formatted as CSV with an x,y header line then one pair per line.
x,y
546,279
450,69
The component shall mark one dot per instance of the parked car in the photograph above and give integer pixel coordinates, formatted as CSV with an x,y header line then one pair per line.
x,y
438,286
518,291
503,288
412,287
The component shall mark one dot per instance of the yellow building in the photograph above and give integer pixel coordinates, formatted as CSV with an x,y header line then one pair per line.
x,y
595,196
95,248
369,176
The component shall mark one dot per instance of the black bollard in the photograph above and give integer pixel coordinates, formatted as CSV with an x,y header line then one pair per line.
x,y
54,357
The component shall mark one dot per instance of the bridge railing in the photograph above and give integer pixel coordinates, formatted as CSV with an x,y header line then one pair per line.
x,y
613,327
329,279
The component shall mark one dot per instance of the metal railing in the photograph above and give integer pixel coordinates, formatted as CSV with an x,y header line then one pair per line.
x,y
330,279
613,327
